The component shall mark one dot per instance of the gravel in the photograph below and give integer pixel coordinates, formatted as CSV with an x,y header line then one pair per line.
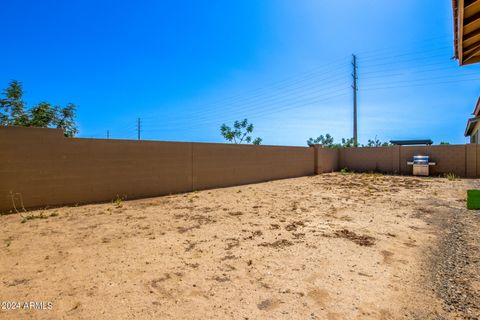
x,y
455,262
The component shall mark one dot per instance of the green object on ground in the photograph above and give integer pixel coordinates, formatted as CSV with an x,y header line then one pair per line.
x,y
473,199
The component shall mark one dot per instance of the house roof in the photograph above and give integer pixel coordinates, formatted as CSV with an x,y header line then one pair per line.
x,y
466,25
470,125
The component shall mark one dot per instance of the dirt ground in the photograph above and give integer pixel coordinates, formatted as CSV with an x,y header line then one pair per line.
x,y
333,246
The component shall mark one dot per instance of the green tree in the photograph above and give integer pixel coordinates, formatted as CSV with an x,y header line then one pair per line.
x,y
65,119
348,143
326,141
41,115
239,133
443,142
13,105
13,112
376,143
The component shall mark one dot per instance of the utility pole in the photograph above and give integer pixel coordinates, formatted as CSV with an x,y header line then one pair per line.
x,y
138,128
355,89
108,134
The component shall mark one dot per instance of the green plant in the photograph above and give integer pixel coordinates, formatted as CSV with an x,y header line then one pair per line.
x,y
344,170
118,202
451,176
14,112
348,143
326,141
239,133
42,215
376,143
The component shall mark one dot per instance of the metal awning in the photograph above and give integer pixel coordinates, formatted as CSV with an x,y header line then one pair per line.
x,y
466,25
411,142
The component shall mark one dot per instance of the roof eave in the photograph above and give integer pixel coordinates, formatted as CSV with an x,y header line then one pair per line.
x,y
455,27
476,111
470,122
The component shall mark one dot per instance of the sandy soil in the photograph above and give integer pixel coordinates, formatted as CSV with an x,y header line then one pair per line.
x,y
334,246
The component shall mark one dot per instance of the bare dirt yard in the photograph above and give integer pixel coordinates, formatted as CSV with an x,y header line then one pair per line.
x,y
333,246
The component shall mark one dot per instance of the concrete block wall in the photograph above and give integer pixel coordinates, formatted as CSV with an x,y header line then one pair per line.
x,y
43,168
40,167
462,160
472,160
326,159
381,159
448,158
222,165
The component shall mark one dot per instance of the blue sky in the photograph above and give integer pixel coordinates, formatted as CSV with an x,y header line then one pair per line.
x,y
185,67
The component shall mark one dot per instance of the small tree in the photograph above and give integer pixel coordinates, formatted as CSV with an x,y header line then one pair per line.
x,y
376,143
65,119
326,141
443,142
13,106
13,112
239,133
348,143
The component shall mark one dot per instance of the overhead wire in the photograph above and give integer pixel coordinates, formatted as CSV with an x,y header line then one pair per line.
x,y
298,91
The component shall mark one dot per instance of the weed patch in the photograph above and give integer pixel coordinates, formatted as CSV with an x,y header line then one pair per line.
x,y
451,176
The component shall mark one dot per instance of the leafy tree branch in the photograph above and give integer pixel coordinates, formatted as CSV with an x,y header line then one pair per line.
x,y
14,112
327,141
239,133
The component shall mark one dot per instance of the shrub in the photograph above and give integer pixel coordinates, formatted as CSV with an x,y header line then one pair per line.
x,y
344,170
118,202
451,176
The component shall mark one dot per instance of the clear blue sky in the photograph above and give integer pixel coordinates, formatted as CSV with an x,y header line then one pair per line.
x,y
185,67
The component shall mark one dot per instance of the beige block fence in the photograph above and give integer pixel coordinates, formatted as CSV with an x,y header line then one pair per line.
x,y
41,168
460,160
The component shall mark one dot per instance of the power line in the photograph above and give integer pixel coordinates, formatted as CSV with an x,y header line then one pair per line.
x,y
273,99
402,67
415,59
420,79
387,73
261,98
251,110
406,54
387,49
237,100
234,101
286,83
419,84
291,92
261,113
